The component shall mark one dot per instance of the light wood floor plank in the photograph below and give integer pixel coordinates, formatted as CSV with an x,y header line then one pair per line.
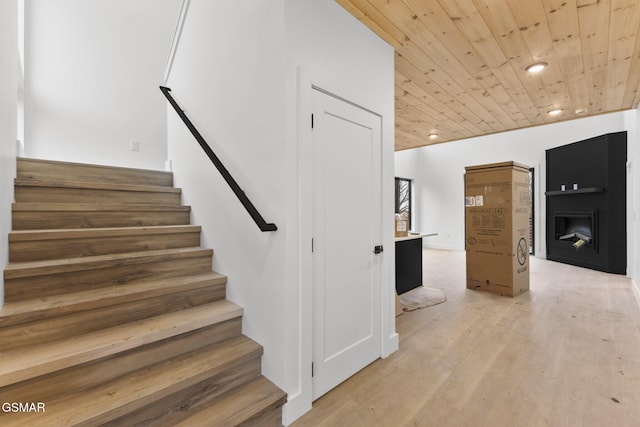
x,y
567,353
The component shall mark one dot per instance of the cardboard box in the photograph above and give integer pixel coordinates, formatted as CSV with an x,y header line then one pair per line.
x,y
402,225
497,209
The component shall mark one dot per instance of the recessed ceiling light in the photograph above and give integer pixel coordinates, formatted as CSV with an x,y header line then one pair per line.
x,y
536,67
554,112
433,135
580,111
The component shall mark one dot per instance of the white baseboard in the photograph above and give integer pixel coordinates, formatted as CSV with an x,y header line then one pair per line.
x,y
296,406
391,345
636,290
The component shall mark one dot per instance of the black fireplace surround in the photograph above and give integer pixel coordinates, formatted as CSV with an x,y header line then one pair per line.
x,y
586,203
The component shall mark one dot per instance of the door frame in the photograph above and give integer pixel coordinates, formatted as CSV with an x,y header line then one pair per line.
x,y
306,83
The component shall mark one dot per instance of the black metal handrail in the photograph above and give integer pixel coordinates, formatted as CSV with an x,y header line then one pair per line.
x,y
251,209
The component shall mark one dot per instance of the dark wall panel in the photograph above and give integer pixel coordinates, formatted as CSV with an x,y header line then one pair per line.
x,y
593,175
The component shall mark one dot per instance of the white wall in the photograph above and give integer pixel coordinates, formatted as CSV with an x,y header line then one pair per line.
x,y
633,187
635,155
236,75
328,48
439,174
8,122
228,75
92,70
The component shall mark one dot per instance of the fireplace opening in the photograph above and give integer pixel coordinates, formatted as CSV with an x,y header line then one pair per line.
x,y
577,229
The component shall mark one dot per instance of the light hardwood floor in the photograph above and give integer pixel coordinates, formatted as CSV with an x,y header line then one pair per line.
x,y
567,353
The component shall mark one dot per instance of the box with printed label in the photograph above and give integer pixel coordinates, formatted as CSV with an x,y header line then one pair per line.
x,y
497,215
402,225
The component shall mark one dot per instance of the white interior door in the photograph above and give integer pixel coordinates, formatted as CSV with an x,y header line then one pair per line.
x,y
346,227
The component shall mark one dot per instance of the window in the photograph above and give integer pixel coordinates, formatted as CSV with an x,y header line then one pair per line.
x,y
403,198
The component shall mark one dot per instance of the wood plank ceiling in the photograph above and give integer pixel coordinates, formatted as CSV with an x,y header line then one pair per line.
x,y
460,64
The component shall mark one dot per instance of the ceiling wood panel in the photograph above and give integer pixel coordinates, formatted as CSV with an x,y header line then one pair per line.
x,y
460,64
625,17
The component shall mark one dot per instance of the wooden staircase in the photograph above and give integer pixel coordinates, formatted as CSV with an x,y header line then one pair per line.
x,y
113,316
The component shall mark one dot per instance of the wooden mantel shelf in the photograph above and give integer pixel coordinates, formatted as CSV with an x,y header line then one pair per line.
x,y
578,191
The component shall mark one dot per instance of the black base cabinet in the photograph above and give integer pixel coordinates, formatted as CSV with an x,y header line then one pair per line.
x,y
408,264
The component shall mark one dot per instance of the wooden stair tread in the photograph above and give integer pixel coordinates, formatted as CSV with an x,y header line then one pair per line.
x,y
39,168
39,268
61,243
113,315
22,182
70,233
28,362
38,215
71,207
39,308
123,395
240,405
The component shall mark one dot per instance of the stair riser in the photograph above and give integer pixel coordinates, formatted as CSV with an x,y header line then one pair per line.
x,y
257,402
26,194
26,363
50,308
92,320
171,376
169,410
49,249
42,170
88,375
270,417
17,289
119,322
40,220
